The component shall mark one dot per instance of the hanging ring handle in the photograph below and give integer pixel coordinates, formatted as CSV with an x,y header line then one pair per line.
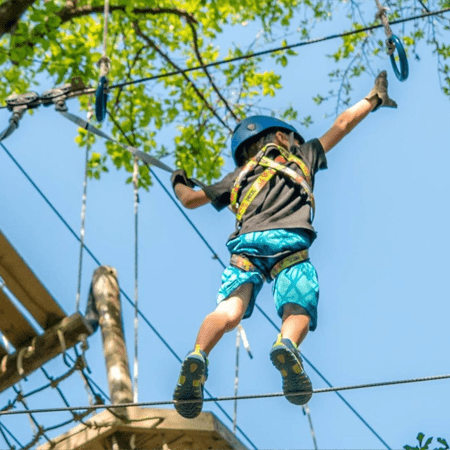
x,y
395,43
101,98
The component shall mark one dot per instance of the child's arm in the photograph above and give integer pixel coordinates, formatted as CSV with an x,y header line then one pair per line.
x,y
348,120
188,197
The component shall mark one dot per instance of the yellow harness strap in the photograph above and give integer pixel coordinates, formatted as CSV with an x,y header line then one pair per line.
x,y
243,263
273,166
289,261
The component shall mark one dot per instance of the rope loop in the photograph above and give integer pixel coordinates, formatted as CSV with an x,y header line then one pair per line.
x,y
393,43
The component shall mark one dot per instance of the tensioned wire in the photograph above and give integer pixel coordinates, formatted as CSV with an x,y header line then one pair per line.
x,y
167,345
263,52
230,398
141,314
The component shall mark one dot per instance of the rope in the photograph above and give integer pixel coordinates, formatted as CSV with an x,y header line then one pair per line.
x,y
307,413
236,378
104,62
381,14
136,291
83,218
230,398
256,54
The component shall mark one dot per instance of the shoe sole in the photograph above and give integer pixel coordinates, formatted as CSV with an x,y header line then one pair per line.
x,y
294,378
189,387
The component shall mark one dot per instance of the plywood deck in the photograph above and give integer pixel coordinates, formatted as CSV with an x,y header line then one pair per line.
x,y
152,429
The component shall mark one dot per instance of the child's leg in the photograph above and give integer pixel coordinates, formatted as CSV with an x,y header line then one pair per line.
x,y
295,323
194,369
226,317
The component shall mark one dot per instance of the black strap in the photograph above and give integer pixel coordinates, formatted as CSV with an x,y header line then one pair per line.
x,y
145,157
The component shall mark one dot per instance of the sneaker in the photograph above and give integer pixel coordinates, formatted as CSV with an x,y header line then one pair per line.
x,y
286,358
194,372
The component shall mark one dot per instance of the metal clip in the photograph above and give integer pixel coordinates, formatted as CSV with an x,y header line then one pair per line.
x,y
28,101
56,96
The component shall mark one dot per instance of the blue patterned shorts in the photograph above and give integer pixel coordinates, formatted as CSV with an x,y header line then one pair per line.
x,y
296,284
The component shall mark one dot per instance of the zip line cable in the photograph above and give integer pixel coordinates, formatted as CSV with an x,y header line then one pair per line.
x,y
257,54
141,314
277,49
229,398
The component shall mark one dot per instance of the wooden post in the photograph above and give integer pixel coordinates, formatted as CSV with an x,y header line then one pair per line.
x,y
105,290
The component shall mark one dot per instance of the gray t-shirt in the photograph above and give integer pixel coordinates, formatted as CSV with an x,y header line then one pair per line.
x,y
282,203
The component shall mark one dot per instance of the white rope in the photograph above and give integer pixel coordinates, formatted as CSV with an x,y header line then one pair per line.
x,y
104,62
236,378
136,291
240,334
307,413
382,15
83,218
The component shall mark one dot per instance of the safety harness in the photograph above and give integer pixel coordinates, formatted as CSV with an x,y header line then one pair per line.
x,y
243,263
273,166
279,164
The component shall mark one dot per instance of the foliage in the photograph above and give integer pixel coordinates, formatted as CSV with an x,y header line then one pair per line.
x,y
190,116
425,444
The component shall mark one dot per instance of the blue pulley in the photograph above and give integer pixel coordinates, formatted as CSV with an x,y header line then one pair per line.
x,y
403,73
101,97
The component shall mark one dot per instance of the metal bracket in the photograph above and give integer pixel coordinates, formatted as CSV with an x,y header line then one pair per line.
x,y
28,100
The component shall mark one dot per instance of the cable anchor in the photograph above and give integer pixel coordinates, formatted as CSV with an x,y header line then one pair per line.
x,y
18,104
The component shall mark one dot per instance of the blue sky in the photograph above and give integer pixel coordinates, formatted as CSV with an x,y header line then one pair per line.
x,y
381,255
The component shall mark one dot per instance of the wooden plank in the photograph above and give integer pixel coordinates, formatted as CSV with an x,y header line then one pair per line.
x,y
26,287
44,348
13,324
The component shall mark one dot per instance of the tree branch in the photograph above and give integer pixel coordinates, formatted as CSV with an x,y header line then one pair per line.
x,y
200,60
10,13
67,14
166,57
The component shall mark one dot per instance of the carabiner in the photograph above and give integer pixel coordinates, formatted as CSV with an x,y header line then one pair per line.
x,y
101,97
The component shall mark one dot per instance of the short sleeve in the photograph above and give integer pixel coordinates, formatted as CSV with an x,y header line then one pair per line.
x,y
220,192
313,154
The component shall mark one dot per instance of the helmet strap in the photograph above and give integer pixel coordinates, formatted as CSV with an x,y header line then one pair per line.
x,y
291,139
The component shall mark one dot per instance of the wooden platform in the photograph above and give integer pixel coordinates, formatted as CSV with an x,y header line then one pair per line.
x,y
21,290
153,429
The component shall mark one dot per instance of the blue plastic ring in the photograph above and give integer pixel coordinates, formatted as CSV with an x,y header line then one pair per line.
x,y
403,73
101,97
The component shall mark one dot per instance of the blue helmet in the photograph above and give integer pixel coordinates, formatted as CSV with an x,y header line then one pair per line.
x,y
254,126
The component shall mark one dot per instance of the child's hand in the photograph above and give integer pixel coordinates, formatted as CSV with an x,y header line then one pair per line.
x,y
379,91
179,176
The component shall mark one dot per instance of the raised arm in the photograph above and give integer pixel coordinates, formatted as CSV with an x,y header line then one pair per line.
x,y
348,120
188,197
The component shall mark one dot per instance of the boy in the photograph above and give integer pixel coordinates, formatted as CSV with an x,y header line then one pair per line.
x,y
271,192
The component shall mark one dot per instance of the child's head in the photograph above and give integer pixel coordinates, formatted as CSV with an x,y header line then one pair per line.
x,y
253,133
